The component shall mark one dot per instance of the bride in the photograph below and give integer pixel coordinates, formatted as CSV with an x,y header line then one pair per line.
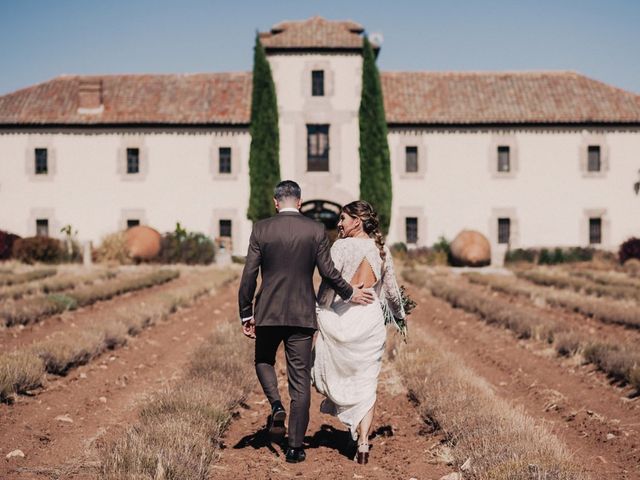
x,y
351,339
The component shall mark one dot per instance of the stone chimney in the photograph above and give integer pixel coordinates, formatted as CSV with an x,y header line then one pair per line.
x,y
90,96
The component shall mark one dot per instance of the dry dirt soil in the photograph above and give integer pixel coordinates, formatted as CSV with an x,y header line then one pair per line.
x,y
599,421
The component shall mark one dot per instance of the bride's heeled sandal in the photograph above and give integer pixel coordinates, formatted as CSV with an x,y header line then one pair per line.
x,y
362,455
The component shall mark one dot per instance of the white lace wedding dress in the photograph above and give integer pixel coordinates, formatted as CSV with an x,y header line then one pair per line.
x,y
351,338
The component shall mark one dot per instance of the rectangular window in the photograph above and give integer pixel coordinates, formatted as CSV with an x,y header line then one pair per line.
x,y
132,222
225,228
317,148
411,159
411,229
504,230
595,230
42,227
593,158
317,83
41,161
504,162
224,160
133,160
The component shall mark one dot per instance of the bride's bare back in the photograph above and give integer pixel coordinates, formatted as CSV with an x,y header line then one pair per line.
x,y
364,274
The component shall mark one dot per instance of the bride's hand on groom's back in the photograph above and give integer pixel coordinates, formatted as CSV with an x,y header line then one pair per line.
x,y
361,296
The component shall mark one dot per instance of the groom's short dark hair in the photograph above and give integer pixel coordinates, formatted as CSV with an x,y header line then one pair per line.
x,y
287,189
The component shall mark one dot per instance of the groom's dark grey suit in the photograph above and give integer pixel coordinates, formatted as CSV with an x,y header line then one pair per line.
x,y
287,248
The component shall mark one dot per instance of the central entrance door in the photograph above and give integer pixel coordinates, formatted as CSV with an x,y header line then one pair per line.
x,y
325,212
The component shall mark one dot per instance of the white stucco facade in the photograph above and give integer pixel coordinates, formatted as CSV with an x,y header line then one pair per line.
x,y
87,185
549,195
338,108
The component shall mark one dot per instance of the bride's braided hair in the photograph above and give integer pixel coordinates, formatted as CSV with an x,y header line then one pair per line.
x,y
370,223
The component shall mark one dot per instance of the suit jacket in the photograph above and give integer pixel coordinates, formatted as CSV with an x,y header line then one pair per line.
x,y
286,248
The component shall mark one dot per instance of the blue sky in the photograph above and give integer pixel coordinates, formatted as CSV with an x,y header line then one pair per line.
x,y
41,39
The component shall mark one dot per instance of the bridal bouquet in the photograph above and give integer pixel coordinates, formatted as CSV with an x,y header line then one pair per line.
x,y
408,304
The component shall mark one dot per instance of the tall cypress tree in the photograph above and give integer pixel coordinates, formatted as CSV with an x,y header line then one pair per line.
x,y
264,165
375,166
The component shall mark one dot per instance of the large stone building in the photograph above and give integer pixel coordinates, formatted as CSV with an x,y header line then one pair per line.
x,y
527,158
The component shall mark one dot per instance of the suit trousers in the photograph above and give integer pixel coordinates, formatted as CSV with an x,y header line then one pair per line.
x,y
298,342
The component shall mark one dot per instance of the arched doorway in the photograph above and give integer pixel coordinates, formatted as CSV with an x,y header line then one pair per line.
x,y
323,211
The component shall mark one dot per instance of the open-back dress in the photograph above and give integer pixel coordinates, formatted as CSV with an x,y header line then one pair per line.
x,y
351,338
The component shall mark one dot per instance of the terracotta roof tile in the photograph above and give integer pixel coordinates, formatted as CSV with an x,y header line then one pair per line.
x,y
495,97
315,32
409,98
207,98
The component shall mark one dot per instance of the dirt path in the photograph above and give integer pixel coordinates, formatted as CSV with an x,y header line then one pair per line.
x,y
17,336
101,398
596,420
398,449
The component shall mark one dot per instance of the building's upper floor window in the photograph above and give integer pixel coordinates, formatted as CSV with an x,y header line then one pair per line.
x,y
225,228
224,160
41,163
411,159
132,222
317,83
593,158
42,227
504,230
133,160
595,230
318,148
504,160
411,229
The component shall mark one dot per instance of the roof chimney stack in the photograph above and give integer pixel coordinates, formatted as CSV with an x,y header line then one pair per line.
x,y
90,96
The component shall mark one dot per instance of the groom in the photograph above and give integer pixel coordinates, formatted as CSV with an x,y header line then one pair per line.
x,y
286,248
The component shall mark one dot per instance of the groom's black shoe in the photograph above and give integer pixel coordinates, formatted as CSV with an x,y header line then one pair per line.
x,y
295,455
275,425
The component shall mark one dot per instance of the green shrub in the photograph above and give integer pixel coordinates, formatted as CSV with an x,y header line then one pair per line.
x,y
37,249
191,248
439,254
545,257
551,257
579,254
520,255
443,245
557,256
398,247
